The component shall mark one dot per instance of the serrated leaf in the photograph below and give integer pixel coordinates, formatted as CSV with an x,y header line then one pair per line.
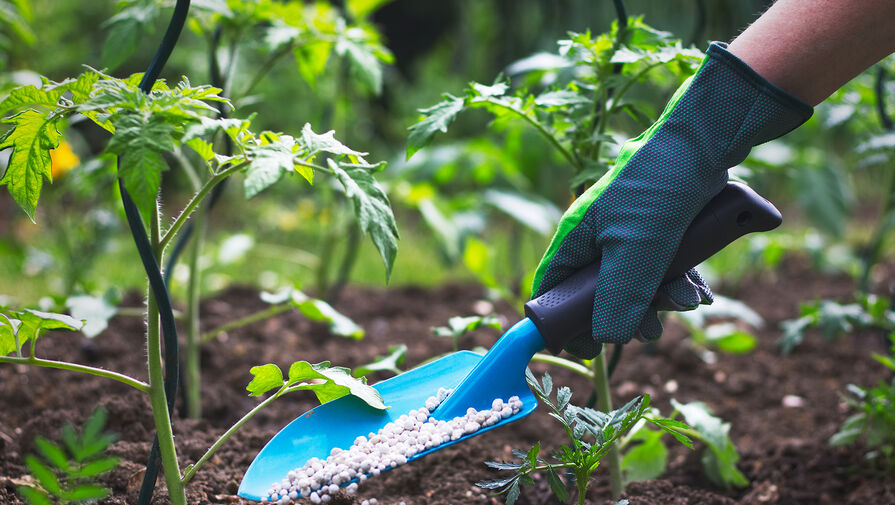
x,y
498,465
557,485
670,426
497,483
31,138
547,382
315,143
434,119
363,61
513,493
562,98
264,378
139,141
563,396
371,208
338,383
29,96
267,164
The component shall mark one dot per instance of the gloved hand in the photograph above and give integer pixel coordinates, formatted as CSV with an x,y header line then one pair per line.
x,y
634,217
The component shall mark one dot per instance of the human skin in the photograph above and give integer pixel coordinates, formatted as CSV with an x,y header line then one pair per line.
x,y
811,48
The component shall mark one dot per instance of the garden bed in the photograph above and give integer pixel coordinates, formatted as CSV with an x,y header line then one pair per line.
x,y
783,444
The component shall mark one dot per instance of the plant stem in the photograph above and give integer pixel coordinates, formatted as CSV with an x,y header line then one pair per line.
x,y
604,404
74,367
196,200
564,363
157,397
192,469
193,365
245,321
571,158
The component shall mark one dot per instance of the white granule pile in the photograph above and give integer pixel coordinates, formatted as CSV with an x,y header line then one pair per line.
x,y
391,446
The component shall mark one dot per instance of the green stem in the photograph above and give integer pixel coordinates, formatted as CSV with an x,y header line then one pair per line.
x,y
604,404
192,469
267,313
157,398
564,363
266,67
74,367
550,138
196,200
193,364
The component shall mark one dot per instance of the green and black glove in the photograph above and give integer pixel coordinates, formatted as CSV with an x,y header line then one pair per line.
x,y
634,217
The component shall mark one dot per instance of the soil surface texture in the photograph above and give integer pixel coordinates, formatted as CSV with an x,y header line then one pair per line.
x,y
783,409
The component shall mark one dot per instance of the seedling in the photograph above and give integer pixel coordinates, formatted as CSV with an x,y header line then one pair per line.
x,y
459,326
67,474
874,423
834,319
592,434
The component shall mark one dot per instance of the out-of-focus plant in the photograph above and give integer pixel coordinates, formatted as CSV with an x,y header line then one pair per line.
x,y
67,474
461,325
834,319
874,423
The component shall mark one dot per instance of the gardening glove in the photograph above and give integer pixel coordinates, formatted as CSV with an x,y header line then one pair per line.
x,y
634,217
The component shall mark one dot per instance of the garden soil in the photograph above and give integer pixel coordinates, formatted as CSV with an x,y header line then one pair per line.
x,y
782,410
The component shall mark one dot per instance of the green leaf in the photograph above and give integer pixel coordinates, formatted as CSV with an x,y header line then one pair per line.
x,y
87,492
371,208
557,485
52,452
311,59
360,9
44,475
34,496
499,465
30,96
531,211
139,141
98,467
265,378
719,463
850,431
31,138
121,42
268,162
459,325
365,66
93,310
434,119
318,310
513,493
389,363
9,327
338,383
729,338
562,98
648,459
325,142
671,427
794,333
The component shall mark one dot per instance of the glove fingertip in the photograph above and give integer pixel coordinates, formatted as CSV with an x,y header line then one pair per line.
x,y
650,327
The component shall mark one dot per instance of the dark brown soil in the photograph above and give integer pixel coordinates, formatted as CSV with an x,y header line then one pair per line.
x,y
784,449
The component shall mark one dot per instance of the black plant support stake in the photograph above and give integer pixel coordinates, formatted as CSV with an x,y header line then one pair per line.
x,y
147,255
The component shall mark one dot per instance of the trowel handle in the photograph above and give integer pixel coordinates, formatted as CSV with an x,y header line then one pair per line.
x,y
564,313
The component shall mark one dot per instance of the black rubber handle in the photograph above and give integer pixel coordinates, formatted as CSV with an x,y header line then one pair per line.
x,y
564,313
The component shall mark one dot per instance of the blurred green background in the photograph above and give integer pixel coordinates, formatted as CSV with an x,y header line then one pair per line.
x,y
832,185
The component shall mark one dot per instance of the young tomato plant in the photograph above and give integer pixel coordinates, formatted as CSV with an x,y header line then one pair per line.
x,y
144,126
875,420
592,434
66,474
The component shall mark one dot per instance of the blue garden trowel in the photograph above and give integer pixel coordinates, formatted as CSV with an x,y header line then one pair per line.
x,y
553,319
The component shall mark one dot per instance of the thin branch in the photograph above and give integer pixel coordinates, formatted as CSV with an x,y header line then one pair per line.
x,y
74,367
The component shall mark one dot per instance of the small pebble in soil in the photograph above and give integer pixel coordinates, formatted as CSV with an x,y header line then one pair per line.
x,y
393,445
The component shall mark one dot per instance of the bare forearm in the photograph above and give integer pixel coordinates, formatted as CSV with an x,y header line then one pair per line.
x,y
810,48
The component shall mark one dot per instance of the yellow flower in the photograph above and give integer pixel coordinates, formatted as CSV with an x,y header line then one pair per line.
x,y
64,159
